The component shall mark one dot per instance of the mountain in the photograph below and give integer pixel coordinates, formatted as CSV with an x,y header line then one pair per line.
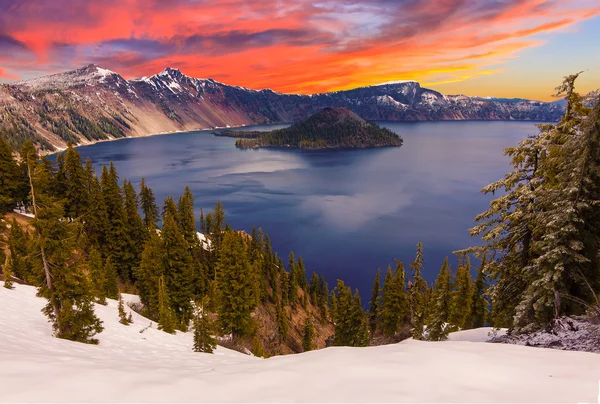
x,y
331,128
92,103
143,364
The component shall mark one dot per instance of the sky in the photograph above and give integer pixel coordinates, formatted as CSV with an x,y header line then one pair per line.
x,y
502,48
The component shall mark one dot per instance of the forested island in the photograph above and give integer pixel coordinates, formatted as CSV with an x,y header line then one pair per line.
x,y
331,128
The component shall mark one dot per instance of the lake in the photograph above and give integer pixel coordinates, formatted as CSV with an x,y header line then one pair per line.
x,y
345,212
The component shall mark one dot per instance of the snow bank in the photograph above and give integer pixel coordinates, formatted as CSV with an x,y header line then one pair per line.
x,y
483,334
156,367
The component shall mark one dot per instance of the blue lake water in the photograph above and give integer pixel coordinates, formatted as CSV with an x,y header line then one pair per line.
x,y
345,212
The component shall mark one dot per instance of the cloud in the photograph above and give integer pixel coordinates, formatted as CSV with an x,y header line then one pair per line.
x,y
287,45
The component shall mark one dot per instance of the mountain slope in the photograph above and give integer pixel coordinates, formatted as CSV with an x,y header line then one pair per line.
x,y
151,366
92,103
330,128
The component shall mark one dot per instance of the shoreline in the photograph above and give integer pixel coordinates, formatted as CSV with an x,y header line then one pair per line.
x,y
60,150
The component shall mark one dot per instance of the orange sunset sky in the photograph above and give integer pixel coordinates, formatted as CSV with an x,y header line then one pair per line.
x,y
504,48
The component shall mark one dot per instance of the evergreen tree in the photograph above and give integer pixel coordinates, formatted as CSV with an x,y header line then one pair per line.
x,y
98,276
438,327
96,224
308,343
134,226
418,292
63,282
542,230
204,341
123,317
375,302
117,240
282,324
7,272
112,282
148,273
479,302
19,250
292,281
9,178
462,296
76,193
360,323
178,269
166,317
314,288
235,286
148,206
394,306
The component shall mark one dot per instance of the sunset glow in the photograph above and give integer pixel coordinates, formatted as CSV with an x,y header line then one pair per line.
x,y
300,46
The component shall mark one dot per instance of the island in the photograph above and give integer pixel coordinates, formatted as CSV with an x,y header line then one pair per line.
x,y
331,128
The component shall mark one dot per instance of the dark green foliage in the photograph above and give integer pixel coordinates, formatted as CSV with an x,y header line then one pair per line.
x,y
235,301
395,304
112,283
203,327
75,180
117,240
7,272
479,302
98,276
330,128
308,343
21,255
438,327
178,269
418,292
375,302
70,297
134,227
167,321
10,176
282,323
96,224
148,273
148,206
462,296
351,325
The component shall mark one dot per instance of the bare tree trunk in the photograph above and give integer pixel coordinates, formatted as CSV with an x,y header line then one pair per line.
x,y
35,212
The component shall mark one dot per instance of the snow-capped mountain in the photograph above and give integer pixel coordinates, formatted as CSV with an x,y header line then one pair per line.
x,y
93,103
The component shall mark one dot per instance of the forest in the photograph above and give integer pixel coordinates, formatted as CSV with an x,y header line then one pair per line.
x,y
94,237
330,128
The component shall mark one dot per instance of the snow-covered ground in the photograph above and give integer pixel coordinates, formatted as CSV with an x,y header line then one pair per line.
x,y
153,366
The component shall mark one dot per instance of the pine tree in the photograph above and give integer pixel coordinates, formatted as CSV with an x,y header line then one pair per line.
x,y
292,280
178,267
9,178
418,292
76,193
394,306
123,317
360,326
542,230
438,327
148,273
117,240
112,283
166,317
134,226
98,276
314,288
148,205
375,303
462,296
204,341
7,272
96,224
63,282
282,323
235,286
479,302
308,343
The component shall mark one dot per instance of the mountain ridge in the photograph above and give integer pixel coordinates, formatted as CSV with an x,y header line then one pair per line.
x,y
92,103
